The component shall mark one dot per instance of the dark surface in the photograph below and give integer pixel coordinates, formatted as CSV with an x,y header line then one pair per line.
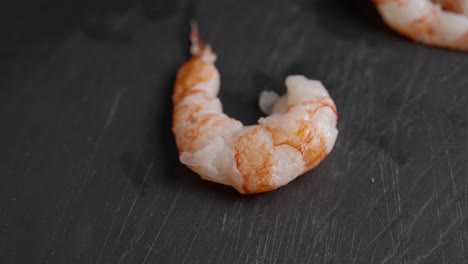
x,y
90,170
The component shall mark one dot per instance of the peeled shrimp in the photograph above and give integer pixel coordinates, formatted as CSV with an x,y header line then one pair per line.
x,y
298,134
441,24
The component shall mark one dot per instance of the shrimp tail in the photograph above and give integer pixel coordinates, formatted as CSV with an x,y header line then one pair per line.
x,y
198,47
196,43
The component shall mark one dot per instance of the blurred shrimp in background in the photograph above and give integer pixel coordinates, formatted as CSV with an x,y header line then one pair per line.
x,y
441,23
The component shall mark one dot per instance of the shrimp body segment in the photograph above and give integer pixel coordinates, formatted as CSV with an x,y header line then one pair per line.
x,y
298,134
456,6
442,24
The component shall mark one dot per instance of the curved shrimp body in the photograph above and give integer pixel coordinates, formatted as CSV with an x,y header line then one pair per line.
x,y
299,133
428,22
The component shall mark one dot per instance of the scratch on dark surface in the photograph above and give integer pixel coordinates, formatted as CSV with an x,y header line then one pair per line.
x,y
452,72
238,227
385,229
221,255
113,109
230,234
257,252
108,122
224,222
397,201
439,246
373,255
294,232
265,245
70,201
455,224
289,243
249,235
408,87
115,211
275,227
302,231
421,175
137,195
279,246
339,241
375,202
452,176
462,246
386,203
466,185
353,238
195,236
423,208
433,251
136,239
457,196
358,248
105,241
161,227
430,163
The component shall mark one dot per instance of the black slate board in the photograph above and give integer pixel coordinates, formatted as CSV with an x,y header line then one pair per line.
x,y
89,165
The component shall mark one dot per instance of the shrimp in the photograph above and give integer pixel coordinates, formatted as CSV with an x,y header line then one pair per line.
x,y
295,138
427,22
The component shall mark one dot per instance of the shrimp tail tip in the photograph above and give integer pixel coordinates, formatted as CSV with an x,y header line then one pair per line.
x,y
196,43
193,29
